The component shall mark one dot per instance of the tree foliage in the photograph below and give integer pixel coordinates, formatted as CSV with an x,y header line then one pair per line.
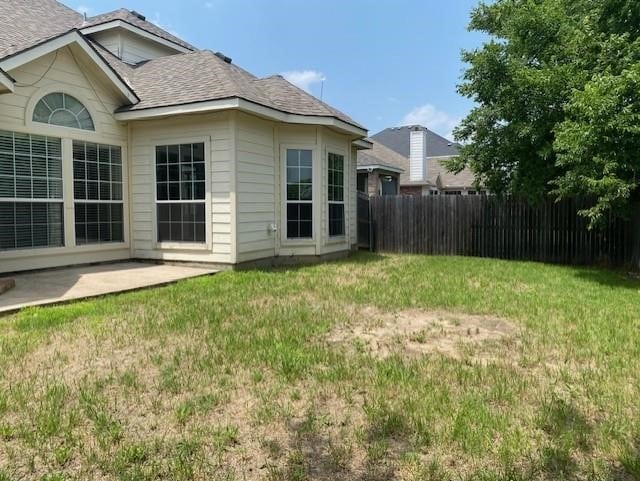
x,y
557,92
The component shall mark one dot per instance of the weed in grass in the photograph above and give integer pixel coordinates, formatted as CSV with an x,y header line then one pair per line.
x,y
53,477
51,417
130,380
198,405
224,437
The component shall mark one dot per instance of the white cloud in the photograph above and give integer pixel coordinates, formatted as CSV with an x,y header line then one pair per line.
x,y
304,78
432,118
83,9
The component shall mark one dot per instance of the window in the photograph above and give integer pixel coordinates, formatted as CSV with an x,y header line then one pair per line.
x,y
31,206
362,182
299,194
452,192
97,192
63,110
336,194
389,185
433,192
180,192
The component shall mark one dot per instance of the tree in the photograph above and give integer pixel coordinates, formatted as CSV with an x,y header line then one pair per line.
x,y
558,101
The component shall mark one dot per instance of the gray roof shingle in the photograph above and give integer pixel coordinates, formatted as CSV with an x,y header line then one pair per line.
x,y
172,80
28,23
127,16
202,75
437,173
397,138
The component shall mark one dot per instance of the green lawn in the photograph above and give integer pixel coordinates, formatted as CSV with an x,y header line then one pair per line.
x,y
270,375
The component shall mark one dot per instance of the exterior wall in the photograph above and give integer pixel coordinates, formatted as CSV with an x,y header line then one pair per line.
x,y
130,47
62,72
373,183
216,131
260,184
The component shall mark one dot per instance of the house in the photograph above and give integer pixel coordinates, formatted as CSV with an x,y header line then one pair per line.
x,y
119,140
419,156
379,170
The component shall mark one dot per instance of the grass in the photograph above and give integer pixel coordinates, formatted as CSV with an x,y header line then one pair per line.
x,y
233,377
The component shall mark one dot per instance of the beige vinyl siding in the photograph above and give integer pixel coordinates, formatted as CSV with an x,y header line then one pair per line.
x,y
256,188
129,47
144,136
110,40
339,144
65,75
82,79
137,49
353,198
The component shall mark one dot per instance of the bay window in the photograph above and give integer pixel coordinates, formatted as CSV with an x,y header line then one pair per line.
x,y
299,193
97,192
31,203
180,193
335,194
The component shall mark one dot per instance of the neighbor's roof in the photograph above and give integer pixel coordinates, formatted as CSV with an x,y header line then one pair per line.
x,y
174,80
382,156
397,139
437,173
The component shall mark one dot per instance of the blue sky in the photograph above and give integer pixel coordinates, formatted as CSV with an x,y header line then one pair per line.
x,y
384,62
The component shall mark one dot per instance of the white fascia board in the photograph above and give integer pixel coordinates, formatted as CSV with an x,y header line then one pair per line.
x,y
62,41
388,168
137,30
6,83
245,106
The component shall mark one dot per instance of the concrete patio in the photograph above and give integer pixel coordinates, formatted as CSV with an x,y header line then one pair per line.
x,y
60,285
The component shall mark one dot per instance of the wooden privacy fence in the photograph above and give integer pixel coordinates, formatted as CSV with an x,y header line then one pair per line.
x,y
485,226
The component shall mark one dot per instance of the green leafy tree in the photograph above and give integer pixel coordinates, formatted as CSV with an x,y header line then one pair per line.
x,y
558,100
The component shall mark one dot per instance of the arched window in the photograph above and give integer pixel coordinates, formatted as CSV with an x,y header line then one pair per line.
x,y
61,109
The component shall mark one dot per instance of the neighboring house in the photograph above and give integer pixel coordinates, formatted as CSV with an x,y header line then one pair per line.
x,y
119,140
419,154
379,170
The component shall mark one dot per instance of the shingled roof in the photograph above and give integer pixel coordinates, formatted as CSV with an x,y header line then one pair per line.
x,y
28,23
184,78
397,139
437,174
133,19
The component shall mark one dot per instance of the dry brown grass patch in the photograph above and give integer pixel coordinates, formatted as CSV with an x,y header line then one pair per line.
x,y
418,332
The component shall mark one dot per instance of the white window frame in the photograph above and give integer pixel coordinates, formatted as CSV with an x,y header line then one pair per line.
x,y
58,130
125,206
298,241
337,151
68,135
183,246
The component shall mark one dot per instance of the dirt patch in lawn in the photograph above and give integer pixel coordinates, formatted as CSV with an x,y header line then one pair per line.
x,y
418,332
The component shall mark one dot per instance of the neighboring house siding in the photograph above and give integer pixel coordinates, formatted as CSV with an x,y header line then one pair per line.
x,y
62,74
213,128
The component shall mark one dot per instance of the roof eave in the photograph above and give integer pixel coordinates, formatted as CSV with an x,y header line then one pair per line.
x,y
388,168
55,43
363,144
119,23
6,83
237,103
